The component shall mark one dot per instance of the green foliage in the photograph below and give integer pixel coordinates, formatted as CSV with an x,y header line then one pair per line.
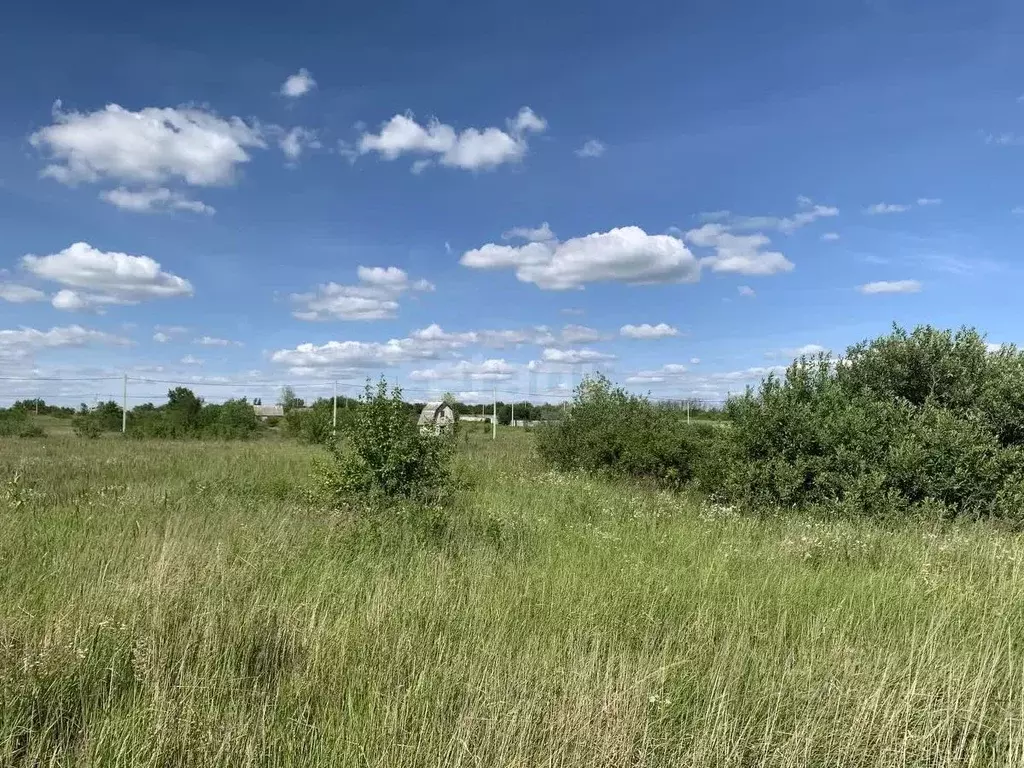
x,y
84,425
905,422
32,430
609,430
384,456
928,421
315,424
12,421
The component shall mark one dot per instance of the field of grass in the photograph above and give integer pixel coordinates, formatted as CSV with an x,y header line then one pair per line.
x,y
186,604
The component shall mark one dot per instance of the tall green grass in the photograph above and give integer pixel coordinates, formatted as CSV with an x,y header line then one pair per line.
x,y
167,604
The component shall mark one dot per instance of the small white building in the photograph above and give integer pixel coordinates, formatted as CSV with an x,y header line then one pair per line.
x,y
268,411
436,418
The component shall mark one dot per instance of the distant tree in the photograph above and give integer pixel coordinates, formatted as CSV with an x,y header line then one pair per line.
x,y
288,399
183,409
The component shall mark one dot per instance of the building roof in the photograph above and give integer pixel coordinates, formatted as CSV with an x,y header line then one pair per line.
x,y
429,413
268,410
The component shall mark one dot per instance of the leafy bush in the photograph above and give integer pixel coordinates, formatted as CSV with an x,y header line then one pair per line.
x,y
12,421
610,430
84,425
32,430
384,456
908,423
315,424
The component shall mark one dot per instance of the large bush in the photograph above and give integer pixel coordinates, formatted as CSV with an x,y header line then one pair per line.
x,y
383,455
928,420
923,420
610,430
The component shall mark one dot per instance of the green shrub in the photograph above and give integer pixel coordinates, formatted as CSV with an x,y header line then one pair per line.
x,y
384,456
907,421
12,421
84,425
32,430
610,430
923,422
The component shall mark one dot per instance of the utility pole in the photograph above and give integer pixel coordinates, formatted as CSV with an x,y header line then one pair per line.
x,y
494,417
124,406
334,417
687,413
513,421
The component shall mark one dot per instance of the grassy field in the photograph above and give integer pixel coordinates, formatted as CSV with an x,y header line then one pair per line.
x,y
185,604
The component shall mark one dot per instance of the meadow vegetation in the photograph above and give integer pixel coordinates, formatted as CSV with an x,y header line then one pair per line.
x,y
404,600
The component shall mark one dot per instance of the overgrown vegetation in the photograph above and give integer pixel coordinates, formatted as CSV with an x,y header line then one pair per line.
x,y
184,415
929,422
177,603
384,456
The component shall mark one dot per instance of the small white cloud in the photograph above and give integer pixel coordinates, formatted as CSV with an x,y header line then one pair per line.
x,y
190,360
213,341
1005,139
740,254
17,344
488,370
161,338
146,147
992,347
20,294
830,237
104,278
694,361
627,255
591,148
294,142
883,208
153,200
575,311
926,201
447,247
648,331
890,286
580,334
472,149
298,84
574,356
746,290
375,297
541,234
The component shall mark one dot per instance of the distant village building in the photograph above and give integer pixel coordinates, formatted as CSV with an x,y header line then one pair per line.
x,y
467,417
436,418
268,411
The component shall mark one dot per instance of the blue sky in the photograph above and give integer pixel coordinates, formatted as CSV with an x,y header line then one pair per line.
x,y
467,197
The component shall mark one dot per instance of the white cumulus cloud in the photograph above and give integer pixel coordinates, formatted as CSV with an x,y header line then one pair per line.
x,y
539,234
488,370
648,331
891,286
374,297
20,294
625,254
830,237
746,291
470,149
591,148
297,140
153,200
298,84
149,146
19,343
740,254
95,278
574,356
